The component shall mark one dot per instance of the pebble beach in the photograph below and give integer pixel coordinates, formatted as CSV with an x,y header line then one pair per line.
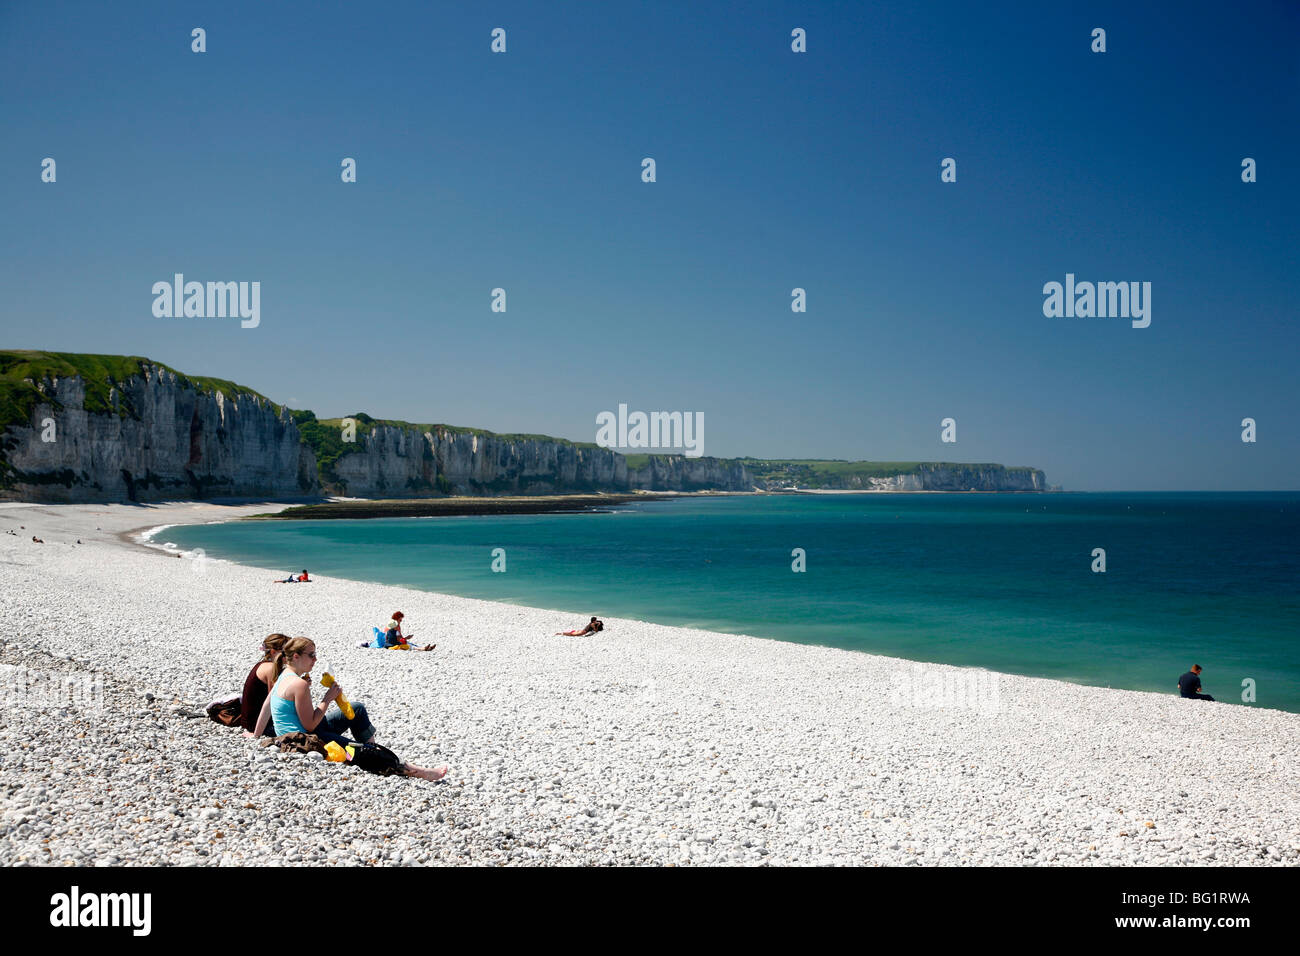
x,y
641,745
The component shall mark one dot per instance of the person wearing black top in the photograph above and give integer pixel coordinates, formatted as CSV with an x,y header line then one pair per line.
x,y
258,683
1189,685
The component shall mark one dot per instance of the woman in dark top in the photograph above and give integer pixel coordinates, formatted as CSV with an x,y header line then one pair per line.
x,y
258,683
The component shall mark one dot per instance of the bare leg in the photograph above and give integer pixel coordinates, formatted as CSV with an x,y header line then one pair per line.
x,y
411,770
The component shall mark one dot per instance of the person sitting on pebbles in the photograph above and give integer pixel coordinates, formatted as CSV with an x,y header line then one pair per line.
x,y
395,640
258,684
1189,685
289,707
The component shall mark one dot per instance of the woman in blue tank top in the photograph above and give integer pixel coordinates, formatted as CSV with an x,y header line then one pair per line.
x,y
289,707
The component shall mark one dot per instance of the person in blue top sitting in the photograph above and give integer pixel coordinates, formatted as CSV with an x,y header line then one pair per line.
x,y
289,707
393,639
1189,685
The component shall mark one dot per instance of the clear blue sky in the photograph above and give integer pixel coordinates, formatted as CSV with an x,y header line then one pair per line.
x,y
775,170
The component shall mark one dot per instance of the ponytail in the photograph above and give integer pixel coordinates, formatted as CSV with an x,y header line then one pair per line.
x,y
273,644
292,647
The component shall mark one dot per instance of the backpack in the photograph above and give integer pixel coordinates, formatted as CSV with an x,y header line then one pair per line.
x,y
376,759
226,711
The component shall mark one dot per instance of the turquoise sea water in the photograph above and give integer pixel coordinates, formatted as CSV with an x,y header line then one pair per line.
x,y
1002,582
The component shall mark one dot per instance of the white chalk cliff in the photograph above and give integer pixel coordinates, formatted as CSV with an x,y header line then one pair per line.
x,y
160,435
164,439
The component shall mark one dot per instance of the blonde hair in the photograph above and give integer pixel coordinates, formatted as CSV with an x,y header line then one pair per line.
x,y
293,646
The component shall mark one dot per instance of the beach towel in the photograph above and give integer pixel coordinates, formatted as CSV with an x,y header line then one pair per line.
x,y
297,742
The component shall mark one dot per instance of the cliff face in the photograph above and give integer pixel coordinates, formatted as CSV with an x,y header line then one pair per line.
x,y
127,428
491,464
161,438
679,473
399,462
981,478
949,478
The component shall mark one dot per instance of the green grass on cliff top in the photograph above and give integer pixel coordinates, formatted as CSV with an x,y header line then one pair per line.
x,y
367,424
20,369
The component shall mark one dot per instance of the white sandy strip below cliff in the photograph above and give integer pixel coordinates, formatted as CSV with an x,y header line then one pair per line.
x,y
645,744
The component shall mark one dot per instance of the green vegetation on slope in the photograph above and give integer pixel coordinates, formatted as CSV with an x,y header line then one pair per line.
x,y
20,369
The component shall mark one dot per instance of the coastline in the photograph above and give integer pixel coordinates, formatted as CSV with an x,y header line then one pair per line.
x,y
357,508
646,744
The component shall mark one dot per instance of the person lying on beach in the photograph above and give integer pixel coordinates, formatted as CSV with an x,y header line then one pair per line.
x,y
592,627
289,708
292,580
258,683
1189,685
395,640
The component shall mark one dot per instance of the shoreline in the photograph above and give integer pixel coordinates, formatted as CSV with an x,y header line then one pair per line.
x,y
147,538
732,625
142,539
357,508
645,744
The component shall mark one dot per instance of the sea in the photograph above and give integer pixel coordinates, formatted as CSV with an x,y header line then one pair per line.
x,y
1123,590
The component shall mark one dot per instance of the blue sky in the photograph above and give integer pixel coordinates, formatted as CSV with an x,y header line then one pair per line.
x,y
775,170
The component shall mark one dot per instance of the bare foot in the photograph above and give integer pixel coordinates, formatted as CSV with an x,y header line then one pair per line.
x,y
431,775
